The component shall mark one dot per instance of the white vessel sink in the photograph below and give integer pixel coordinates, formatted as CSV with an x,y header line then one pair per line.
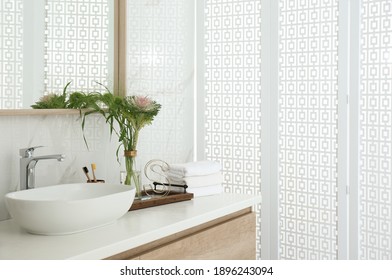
x,y
69,208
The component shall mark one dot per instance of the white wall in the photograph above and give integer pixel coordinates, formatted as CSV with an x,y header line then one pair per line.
x,y
59,134
63,134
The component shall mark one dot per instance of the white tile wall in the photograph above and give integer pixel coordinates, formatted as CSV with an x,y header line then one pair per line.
x,y
63,134
59,134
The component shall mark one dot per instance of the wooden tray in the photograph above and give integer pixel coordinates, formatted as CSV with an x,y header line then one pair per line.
x,y
157,200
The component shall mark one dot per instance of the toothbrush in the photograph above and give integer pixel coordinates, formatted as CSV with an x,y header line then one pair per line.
x,y
93,167
86,172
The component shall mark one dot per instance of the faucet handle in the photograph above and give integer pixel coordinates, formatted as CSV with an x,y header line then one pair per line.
x,y
28,152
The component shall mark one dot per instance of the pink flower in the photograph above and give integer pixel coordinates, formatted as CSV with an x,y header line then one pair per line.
x,y
143,102
47,97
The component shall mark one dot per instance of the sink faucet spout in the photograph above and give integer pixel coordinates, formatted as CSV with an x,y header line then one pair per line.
x,y
27,166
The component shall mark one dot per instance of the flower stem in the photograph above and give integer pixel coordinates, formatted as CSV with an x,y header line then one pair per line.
x,y
133,175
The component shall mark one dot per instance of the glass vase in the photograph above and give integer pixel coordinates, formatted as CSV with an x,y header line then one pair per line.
x,y
133,174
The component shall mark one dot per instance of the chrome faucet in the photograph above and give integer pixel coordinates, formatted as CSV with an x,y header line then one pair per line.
x,y
27,166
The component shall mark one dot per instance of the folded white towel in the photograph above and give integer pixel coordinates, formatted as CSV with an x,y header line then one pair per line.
x,y
201,191
196,168
204,191
198,181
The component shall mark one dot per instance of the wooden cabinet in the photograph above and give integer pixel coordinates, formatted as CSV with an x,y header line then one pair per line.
x,y
229,237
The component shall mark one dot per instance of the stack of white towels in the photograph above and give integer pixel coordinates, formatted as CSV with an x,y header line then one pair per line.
x,y
202,177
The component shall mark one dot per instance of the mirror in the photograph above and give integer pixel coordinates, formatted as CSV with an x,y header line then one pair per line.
x,y
44,44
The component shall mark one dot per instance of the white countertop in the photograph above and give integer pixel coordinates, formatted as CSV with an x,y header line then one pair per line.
x,y
135,228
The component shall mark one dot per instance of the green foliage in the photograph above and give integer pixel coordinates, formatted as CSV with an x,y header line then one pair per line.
x,y
76,100
50,101
53,101
80,100
126,116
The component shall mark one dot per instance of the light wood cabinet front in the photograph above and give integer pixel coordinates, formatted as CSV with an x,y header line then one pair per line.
x,y
230,237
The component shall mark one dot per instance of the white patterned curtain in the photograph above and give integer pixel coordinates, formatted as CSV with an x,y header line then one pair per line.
x,y
78,45
47,43
232,90
308,94
375,178
307,111
11,54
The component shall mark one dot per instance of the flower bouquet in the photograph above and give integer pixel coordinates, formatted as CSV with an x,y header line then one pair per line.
x,y
126,116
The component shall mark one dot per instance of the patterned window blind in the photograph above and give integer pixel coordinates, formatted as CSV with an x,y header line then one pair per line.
x,y
77,45
307,116
11,52
376,131
308,49
233,99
